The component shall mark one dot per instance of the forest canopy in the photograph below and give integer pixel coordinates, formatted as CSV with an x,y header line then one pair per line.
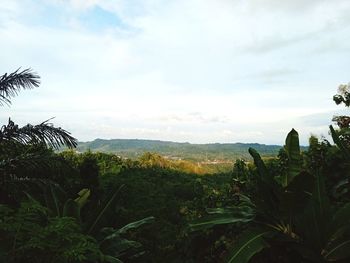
x,y
70,206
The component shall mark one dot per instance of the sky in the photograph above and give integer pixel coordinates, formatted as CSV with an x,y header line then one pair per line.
x,y
199,71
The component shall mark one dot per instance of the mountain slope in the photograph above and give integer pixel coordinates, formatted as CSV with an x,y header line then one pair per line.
x,y
133,148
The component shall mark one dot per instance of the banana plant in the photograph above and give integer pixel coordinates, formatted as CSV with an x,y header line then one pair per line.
x,y
58,204
243,212
292,148
112,243
114,246
296,214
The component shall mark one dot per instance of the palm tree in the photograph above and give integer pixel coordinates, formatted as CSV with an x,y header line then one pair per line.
x,y
44,132
25,152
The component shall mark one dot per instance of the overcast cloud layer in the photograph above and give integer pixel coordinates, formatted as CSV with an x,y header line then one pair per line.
x,y
183,70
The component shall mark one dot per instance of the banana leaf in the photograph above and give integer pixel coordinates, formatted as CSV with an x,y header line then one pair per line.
x,y
83,197
341,218
53,195
110,259
294,158
259,163
315,222
251,242
337,250
267,198
100,213
297,195
136,224
223,216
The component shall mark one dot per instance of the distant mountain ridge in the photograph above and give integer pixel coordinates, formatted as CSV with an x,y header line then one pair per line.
x,y
133,148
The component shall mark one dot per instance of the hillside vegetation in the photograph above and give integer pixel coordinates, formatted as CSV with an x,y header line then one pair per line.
x,y
65,207
134,148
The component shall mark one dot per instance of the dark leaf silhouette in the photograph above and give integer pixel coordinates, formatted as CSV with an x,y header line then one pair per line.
x,y
36,134
11,84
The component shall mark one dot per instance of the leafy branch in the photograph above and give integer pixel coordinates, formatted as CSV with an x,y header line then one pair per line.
x,y
36,134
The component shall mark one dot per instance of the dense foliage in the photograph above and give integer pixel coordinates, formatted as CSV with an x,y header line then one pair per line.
x,y
44,197
99,207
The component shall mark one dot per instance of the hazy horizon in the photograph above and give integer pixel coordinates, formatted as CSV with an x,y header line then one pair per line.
x,y
221,71
142,139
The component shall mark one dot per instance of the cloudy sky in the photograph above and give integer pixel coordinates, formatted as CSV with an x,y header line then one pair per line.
x,y
183,70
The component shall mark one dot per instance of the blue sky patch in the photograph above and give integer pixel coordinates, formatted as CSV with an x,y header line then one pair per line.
x,y
96,19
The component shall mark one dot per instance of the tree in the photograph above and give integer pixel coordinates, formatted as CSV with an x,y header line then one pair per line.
x,y
37,220
292,220
24,150
343,95
343,122
44,132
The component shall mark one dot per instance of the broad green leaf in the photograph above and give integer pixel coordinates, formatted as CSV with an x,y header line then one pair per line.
x,y
297,194
244,204
341,218
220,219
136,224
52,201
337,250
322,207
110,259
341,188
83,197
294,158
320,194
54,196
103,210
244,199
242,213
302,183
316,219
251,242
234,210
259,163
268,195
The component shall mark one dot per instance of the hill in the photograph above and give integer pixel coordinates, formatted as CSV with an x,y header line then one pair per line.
x,y
214,152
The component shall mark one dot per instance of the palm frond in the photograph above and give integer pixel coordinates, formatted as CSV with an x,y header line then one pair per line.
x,y
11,84
44,132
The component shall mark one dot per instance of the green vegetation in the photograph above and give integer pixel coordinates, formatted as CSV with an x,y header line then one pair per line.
x,y
42,219
224,152
292,205
293,214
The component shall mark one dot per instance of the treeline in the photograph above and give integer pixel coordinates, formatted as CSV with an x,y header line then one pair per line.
x,y
98,207
134,148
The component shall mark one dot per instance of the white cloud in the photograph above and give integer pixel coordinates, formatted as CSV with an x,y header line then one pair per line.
x,y
209,70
